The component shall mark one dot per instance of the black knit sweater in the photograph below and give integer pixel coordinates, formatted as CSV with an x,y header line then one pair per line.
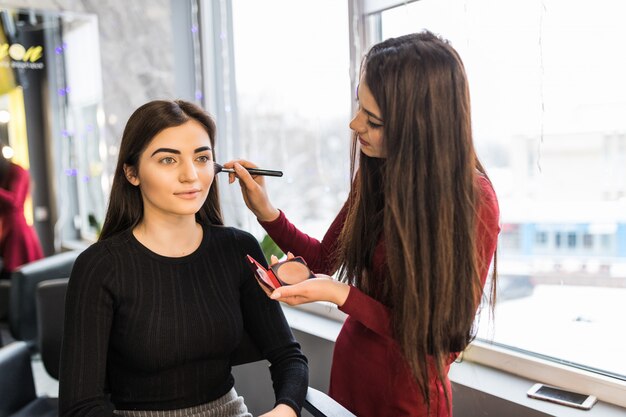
x,y
149,332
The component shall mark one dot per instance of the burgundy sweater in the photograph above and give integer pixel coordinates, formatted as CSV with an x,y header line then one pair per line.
x,y
369,375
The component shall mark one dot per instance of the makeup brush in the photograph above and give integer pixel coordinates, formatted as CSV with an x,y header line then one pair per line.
x,y
252,171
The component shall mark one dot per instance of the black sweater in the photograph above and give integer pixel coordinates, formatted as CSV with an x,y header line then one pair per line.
x,y
156,333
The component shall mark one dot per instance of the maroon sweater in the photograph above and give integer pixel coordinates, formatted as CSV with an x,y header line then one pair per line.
x,y
369,375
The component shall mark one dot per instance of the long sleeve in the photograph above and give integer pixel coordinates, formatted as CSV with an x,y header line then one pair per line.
x,y
265,322
150,332
318,255
88,318
17,190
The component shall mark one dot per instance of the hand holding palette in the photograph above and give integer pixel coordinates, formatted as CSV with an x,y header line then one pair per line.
x,y
291,271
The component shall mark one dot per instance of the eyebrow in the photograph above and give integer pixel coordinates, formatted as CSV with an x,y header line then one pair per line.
x,y
177,152
372,115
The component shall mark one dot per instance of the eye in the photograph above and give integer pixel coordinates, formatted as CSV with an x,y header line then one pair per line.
x,y
374,125
168,160
203,159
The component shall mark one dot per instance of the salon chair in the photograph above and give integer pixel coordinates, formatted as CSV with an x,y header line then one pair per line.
x,y
50,301
22,311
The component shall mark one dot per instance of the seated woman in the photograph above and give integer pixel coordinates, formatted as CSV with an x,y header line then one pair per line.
x,y
157,306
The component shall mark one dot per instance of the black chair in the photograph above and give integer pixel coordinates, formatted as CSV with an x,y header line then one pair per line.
x,y
17,385
50,313
22,311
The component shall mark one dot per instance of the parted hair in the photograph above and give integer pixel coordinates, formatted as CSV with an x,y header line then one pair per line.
x,y
125,208
421,199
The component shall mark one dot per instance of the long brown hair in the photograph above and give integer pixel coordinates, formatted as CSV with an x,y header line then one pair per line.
x,y
421,199
125,209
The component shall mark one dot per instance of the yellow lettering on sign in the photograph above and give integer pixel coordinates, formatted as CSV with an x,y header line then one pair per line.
x,y
4,50
17,51
33,54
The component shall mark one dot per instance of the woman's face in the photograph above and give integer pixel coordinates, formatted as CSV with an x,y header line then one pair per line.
x,y
368,122
175,171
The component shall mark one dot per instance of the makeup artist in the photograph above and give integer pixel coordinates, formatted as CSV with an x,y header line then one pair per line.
x,y
414,241
157,306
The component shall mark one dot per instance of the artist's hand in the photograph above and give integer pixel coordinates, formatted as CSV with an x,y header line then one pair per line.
x,y
273,260
281,410
321,288
253,190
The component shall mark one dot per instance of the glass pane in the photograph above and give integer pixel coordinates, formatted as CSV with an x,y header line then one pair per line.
x,y
51,85
293,93
548,99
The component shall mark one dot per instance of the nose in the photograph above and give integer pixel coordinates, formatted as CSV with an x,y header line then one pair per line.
x,y
358,123
188,172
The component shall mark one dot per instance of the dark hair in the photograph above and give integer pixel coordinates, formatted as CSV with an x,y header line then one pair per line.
x,y
125,208
5,168
422,199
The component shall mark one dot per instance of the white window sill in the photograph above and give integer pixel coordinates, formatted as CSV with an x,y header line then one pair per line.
x,y
494,370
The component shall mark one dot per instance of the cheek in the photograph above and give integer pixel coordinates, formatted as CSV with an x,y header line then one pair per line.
x,y
207,176
377,137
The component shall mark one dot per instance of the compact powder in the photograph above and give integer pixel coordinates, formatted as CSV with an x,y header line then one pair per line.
x,y
292,272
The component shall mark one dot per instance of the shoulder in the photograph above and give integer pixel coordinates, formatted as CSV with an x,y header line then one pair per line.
x,y
102,257
488,208
232,233
486,193
16,171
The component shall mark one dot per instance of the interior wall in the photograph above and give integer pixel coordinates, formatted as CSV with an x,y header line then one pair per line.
x,y
135,49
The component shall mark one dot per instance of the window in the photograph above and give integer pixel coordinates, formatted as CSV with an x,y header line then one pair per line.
x,y
289,105
541,238
547,101
548,88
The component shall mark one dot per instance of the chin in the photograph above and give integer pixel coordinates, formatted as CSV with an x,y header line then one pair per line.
x,y
371,154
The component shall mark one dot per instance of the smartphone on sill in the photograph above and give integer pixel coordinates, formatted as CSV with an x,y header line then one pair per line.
x,y
561,396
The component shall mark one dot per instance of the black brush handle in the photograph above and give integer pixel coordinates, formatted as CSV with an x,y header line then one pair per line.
x,y
255,171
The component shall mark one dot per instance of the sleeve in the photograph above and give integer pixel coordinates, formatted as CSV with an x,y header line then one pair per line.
x,y
488,226
318,255
371,313
17,190
88,318
267,326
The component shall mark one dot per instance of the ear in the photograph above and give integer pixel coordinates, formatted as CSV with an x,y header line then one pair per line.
x,y
131,174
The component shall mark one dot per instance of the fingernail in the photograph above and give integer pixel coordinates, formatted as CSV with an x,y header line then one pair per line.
x,y
275,295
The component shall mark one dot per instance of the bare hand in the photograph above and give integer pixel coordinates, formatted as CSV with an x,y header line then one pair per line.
x,y
322,288
252,189
273,260
281,410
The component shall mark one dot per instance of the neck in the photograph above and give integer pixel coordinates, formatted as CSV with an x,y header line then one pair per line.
x,y
173,237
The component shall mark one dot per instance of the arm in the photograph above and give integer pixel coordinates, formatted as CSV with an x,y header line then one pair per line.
x,y
318,254
266,324
88,318
368,311
17,190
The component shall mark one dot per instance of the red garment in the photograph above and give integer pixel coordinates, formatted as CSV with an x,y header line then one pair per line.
x,y
369,375
19,243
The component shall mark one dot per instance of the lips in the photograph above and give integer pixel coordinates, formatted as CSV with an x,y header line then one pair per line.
x,y
363,142
189,194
